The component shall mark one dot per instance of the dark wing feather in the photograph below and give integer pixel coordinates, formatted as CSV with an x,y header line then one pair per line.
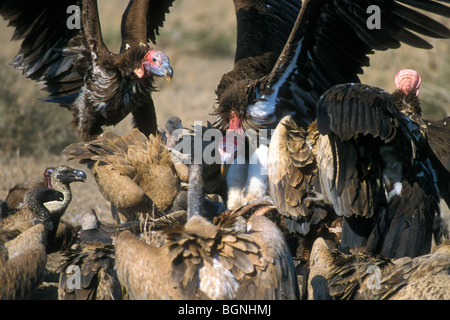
x,y
263,27
330,44
352,109
438,136
48,52
141,21
353,116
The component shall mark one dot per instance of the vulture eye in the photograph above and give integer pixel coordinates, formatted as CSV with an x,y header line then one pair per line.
x,y
154,59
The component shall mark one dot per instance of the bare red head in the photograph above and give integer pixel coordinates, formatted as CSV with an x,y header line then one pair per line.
x,y
155,63
407,81
233,139
48,177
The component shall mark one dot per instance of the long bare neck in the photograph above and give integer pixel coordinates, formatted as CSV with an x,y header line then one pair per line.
x,y
57,208
195,191
36,207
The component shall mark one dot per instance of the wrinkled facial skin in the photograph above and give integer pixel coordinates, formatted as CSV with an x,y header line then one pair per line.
x,y
155,63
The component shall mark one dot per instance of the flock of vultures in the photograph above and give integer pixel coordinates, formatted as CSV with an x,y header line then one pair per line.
x,y
321,187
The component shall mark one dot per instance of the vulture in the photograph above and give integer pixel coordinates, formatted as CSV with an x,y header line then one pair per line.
x,y
378,169
61,233
62,47
201,260
134,173
17,193
61,178
23,257
170,135
34,208
92,258
288,53
335,275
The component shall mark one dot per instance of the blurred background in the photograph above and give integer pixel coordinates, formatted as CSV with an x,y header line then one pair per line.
x,y
199,38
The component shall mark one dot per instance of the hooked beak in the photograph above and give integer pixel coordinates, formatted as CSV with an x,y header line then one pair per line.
x,y
163,70
79,175
168,72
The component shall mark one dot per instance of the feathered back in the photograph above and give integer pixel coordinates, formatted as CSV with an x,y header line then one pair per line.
x,y
139,162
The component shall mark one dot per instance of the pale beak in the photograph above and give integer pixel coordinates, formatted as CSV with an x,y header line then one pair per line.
x,y
164,70
168,71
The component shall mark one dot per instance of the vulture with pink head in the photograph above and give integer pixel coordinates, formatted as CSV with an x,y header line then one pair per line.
x,y
78,70
378,167
289,53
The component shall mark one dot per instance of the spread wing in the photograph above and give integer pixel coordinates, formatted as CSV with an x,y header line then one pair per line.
x,y
141,21
331,43
51,50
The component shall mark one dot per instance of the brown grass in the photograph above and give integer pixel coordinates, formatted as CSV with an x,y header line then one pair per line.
x,y
199,38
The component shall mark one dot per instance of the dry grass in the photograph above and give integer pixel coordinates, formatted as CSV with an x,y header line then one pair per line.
x,y
199,37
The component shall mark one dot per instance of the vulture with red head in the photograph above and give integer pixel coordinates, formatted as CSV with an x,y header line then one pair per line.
x,y
78,70
378,169
288,54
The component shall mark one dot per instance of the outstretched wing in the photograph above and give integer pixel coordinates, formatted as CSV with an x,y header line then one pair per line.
x,y
330,44
50,52
141,21
263,27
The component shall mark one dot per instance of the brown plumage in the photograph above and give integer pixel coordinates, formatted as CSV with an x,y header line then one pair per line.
x,y
34,208
201,260
88,273
133,172
92,259
22,264
17,193
79,71
293,175
289,53
337,276
23,256
62,232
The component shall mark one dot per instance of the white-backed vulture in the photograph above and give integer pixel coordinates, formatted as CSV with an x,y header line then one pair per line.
x,y
134,173
24,256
